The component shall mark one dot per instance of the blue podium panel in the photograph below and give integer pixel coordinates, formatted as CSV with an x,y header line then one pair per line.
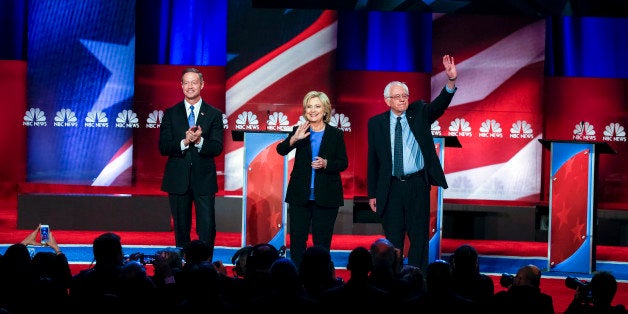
x,y
265,178
572,204
436,199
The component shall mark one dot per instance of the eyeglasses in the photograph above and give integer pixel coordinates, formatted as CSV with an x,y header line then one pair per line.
x,y
399,96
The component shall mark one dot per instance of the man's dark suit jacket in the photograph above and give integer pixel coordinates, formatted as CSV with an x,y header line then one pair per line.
x,y
189,166
420,117
327,183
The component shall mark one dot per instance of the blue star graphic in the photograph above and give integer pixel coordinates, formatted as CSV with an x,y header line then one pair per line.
x,y
120,61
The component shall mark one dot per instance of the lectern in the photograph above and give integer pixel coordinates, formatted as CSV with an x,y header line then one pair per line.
x,y
573,204
436,198
265,176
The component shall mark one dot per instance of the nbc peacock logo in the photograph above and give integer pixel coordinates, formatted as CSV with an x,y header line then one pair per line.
x,y
278,121
490,129
65,118
127,119
521,129
614,132
460,127
584,131
34,117
340,121
436,129
247,120
154,119
96,119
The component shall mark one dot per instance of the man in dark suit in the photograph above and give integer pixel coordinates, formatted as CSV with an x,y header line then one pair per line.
x,y
401,195
314,193
191,135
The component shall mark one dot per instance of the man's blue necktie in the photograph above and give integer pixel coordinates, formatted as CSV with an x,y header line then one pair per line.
x,y
398,158
191,120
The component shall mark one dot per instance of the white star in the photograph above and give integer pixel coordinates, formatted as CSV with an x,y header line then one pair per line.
x,y
120,61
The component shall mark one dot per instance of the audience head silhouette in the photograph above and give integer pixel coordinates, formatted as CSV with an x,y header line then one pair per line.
x,y
284,275
108,250
529,275
197,251
360,262
603,287
438,277
465,260
261,258
384,255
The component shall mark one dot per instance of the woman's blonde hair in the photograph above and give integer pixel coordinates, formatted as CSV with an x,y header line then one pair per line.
x,y
324,100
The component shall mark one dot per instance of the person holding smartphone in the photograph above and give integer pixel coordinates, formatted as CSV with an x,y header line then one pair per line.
x,y
31,239
191,136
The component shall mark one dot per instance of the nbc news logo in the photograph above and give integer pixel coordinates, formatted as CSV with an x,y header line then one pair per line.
x,y
278,121
521,129
247,120
65,118
460,127
154,119
614,132
340,121
96,119
34,117
435,127
491,128
127,119
584,131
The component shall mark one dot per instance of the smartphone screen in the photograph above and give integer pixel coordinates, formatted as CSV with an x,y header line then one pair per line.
x,y
44,231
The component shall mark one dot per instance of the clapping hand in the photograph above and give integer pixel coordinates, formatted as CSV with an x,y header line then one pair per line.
x,y
194,134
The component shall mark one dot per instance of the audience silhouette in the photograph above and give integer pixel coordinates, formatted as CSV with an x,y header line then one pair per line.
x,y
467,281
256,283
439,295
286,289
18,279
386,272
98,288
202,290
414,277
524,295
189,282
317,272
596,297
53,277
25,272
358,294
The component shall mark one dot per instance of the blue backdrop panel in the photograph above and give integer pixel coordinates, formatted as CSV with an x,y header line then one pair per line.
x,y
81,57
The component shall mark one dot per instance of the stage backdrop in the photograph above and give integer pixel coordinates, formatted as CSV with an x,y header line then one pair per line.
x,y
526,79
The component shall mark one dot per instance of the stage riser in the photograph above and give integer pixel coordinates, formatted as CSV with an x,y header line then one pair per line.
x,y
94,212
113,212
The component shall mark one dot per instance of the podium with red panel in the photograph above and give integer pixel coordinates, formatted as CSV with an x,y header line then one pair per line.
x,y
265,176
573,204
436,199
